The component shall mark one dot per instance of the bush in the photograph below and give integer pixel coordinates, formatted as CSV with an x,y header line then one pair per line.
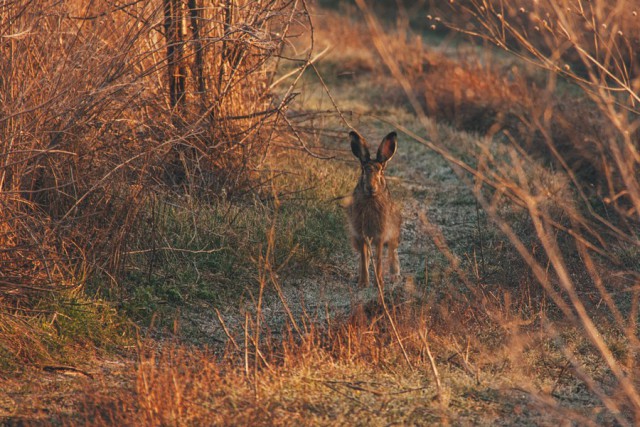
x,y
103,107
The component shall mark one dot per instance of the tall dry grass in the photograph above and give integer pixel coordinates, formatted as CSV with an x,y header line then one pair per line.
x,y
90,132
580,238
582,257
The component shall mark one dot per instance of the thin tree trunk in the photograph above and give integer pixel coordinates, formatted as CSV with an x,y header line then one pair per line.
x,y
174,33
198,67
174,28
224,57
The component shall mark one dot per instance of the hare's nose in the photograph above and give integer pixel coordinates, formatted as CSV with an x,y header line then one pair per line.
x,y
370,190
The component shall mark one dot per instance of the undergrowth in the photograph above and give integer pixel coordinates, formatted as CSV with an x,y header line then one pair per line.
x,y
519,302
353,372
67,329
207,251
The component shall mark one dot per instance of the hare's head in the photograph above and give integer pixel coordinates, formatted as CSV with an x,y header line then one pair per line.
x,y
372,179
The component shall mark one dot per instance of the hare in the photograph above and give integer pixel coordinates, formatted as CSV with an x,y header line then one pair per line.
x,y
373,216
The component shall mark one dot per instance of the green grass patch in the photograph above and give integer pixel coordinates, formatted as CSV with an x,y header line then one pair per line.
x,y
211,252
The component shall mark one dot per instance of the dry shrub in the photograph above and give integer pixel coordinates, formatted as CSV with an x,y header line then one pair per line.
x,y
590,46
350,370
256,385
547,26
89,127
500,101
470,96
574,239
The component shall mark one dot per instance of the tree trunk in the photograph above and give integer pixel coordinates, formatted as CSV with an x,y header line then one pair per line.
x,y
198,66
174,33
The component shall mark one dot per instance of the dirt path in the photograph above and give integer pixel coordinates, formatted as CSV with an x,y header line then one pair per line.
x,y
423,184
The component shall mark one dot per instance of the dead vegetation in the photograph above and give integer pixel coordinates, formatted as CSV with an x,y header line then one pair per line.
x,y
90,130
166,176
94,126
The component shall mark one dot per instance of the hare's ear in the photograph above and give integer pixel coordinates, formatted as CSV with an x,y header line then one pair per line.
x,y
387,148
359,147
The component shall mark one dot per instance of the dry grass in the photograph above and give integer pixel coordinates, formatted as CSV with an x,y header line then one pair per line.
x,y
534,321
571,246
352,372
91,133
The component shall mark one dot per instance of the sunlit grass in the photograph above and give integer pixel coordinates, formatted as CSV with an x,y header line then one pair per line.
x,y
518,249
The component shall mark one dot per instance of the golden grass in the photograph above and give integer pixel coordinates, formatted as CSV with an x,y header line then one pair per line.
x,y
552,232
350,372
88,136
535,321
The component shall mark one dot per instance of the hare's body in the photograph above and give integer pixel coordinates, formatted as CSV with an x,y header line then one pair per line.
x,y
374,218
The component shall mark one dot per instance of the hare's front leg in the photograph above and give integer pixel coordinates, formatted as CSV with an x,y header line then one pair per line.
x,y
363,274
379,273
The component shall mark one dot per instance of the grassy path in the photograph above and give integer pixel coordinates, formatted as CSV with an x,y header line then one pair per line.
x,y
321,351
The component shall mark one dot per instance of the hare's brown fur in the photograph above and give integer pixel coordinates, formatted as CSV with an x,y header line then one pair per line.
x,y
373,216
